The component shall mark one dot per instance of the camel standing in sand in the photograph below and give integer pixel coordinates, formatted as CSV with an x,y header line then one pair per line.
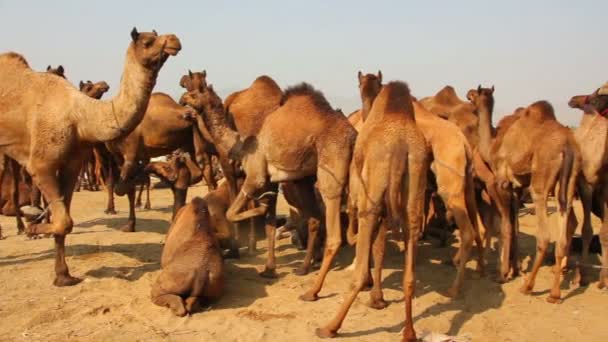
x,y
151,139
592,137
321,145
47,124
535,150
390,162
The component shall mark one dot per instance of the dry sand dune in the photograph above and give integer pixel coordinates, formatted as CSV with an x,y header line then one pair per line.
x,y
112,304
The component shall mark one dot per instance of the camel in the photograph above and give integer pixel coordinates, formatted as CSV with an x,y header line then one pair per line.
x,y
369,87
389,164
192,265
194,81
321,146
47,124
452,158
151,139
535,150
592,135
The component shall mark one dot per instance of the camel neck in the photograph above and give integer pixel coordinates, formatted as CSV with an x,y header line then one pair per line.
x,y
485,131
367,102
224,137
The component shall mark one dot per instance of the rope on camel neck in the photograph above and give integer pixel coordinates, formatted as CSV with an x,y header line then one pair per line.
x,y
47,208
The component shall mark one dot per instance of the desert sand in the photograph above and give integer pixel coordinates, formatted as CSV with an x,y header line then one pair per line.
x,y
112,303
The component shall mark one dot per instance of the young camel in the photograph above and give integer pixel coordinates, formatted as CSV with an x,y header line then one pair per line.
x,y
321,146
390,162
452,168
47,124
591,136
535,151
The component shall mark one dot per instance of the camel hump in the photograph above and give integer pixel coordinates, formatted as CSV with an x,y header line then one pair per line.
x,y
266,81
15,58
541,111
447,95
396,98
306,90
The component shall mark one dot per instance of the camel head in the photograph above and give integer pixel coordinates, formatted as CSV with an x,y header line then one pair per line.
x,y
370,84
596,102
59,71
194,81
482,97
212,116
151,50
94,90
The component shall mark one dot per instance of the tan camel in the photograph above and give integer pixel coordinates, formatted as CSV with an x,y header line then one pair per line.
x,y
46,124
390,162
452,168
151,139
535,151
194,81
321,146
592,138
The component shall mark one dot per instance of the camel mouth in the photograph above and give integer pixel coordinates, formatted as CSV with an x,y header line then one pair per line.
x,y
172,50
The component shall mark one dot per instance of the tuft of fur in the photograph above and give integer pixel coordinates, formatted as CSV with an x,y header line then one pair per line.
x,y
305,89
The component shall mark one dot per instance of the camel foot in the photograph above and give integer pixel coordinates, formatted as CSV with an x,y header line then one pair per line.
x,y
554,300
270,273
580,278
147,206
302,270
309,297
179,311
452,293
377,304
2,237
66,280
325,333
501,279
232,254
526,289
128,228
110,211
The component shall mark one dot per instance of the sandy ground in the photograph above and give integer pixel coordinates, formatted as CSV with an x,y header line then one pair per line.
x,y
112,304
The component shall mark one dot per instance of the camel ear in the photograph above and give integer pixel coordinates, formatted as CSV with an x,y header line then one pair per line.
x,y
48,68
134,34
492,89
185,81
60,69
380,76
210,87
204,73
81,85
189,73
155,33
479,89
360,76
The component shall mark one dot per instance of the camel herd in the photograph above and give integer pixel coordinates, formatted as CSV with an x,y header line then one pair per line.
x,y
393,167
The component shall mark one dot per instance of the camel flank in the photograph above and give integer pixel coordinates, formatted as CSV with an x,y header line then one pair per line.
x,y
48,125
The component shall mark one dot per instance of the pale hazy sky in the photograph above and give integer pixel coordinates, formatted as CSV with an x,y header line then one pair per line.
x,y
530,50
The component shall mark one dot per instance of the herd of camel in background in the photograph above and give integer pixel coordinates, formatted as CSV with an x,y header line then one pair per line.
x,y
390,166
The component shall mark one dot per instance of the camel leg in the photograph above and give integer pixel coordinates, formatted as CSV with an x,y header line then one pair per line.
x,y
15,195
208,172
458,208
586,195
542,239
313,229
376,298
147,206
252,238
473,213
367,225
141,191
130,226
271,228
603,235
503,201
566,230
110,209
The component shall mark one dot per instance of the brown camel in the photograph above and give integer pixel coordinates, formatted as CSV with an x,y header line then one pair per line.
x,y
535,151
151,139
47,124
192,265
453,173
390,162
369,87
194,81
321,146
592,138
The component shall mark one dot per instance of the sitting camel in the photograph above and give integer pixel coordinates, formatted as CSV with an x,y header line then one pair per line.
x,y
321,146
592,135
389,165
47,126
192,266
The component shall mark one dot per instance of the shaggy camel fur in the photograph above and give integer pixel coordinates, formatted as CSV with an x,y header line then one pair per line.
x,y
151,139
592,138
535,151
47,124
321,146
192,266
390,162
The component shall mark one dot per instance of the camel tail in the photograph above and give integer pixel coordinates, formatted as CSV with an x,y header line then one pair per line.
x,y
395,181
566,171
